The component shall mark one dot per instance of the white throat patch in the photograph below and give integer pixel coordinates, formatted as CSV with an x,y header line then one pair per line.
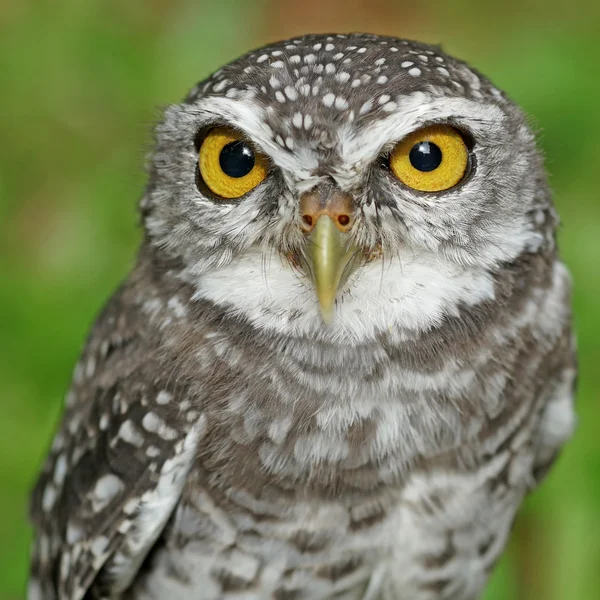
x,y
406,295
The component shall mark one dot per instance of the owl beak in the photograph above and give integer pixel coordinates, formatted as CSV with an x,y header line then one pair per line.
x,y
330,256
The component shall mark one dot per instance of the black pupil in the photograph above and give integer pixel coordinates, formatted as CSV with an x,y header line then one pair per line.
x,y
425,156
236,159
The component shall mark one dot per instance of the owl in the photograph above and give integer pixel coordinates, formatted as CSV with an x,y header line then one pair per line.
x,y
343,356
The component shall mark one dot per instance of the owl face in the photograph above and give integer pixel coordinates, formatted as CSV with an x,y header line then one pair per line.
x,y
365,181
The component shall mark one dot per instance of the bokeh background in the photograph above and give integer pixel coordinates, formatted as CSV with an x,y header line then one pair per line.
x,y
80,81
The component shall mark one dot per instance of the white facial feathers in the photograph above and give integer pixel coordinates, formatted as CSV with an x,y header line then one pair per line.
x,y
357,146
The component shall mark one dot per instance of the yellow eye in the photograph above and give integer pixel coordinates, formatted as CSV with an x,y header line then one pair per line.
x,y
431,159
228,164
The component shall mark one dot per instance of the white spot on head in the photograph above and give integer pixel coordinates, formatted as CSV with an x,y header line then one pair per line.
x,y
382,79
383,99
163,397
317,46
289,142
276,53
415,72
424,58
308,121
379,61
278,64
221,85
443,71
366,107
329,47
355,83
297,120
390,107
341,103
361,50
280,97
262,58
343,76
191,416
406,64
295,58
291,92
309,59
338,56
330,68
329,99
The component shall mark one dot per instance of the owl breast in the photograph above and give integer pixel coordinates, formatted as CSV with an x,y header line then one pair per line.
x,y
436,537
386,470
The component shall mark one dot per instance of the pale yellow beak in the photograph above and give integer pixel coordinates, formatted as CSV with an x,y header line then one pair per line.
x,y
331,258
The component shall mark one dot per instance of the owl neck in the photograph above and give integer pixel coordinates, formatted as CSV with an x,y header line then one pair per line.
x,y
332,411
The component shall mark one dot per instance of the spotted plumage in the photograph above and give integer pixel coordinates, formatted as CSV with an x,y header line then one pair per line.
x,y
229,436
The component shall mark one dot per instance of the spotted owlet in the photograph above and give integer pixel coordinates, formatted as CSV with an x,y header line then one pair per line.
x,y
344,354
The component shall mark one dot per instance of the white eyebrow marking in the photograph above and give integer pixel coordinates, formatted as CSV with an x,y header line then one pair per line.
x,y
356,145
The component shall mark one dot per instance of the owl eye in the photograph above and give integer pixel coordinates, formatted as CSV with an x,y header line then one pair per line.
x,y
431,159
229,166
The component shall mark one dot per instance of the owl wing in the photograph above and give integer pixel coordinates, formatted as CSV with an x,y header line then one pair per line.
x,y
558,382
116,467
558,419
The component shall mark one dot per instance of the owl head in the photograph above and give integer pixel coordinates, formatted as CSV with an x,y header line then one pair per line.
x,y
341,185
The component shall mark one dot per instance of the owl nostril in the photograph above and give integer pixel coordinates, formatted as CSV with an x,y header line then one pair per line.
x,y
335,204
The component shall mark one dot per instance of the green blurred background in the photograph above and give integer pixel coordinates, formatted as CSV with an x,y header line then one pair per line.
x,y
79,83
